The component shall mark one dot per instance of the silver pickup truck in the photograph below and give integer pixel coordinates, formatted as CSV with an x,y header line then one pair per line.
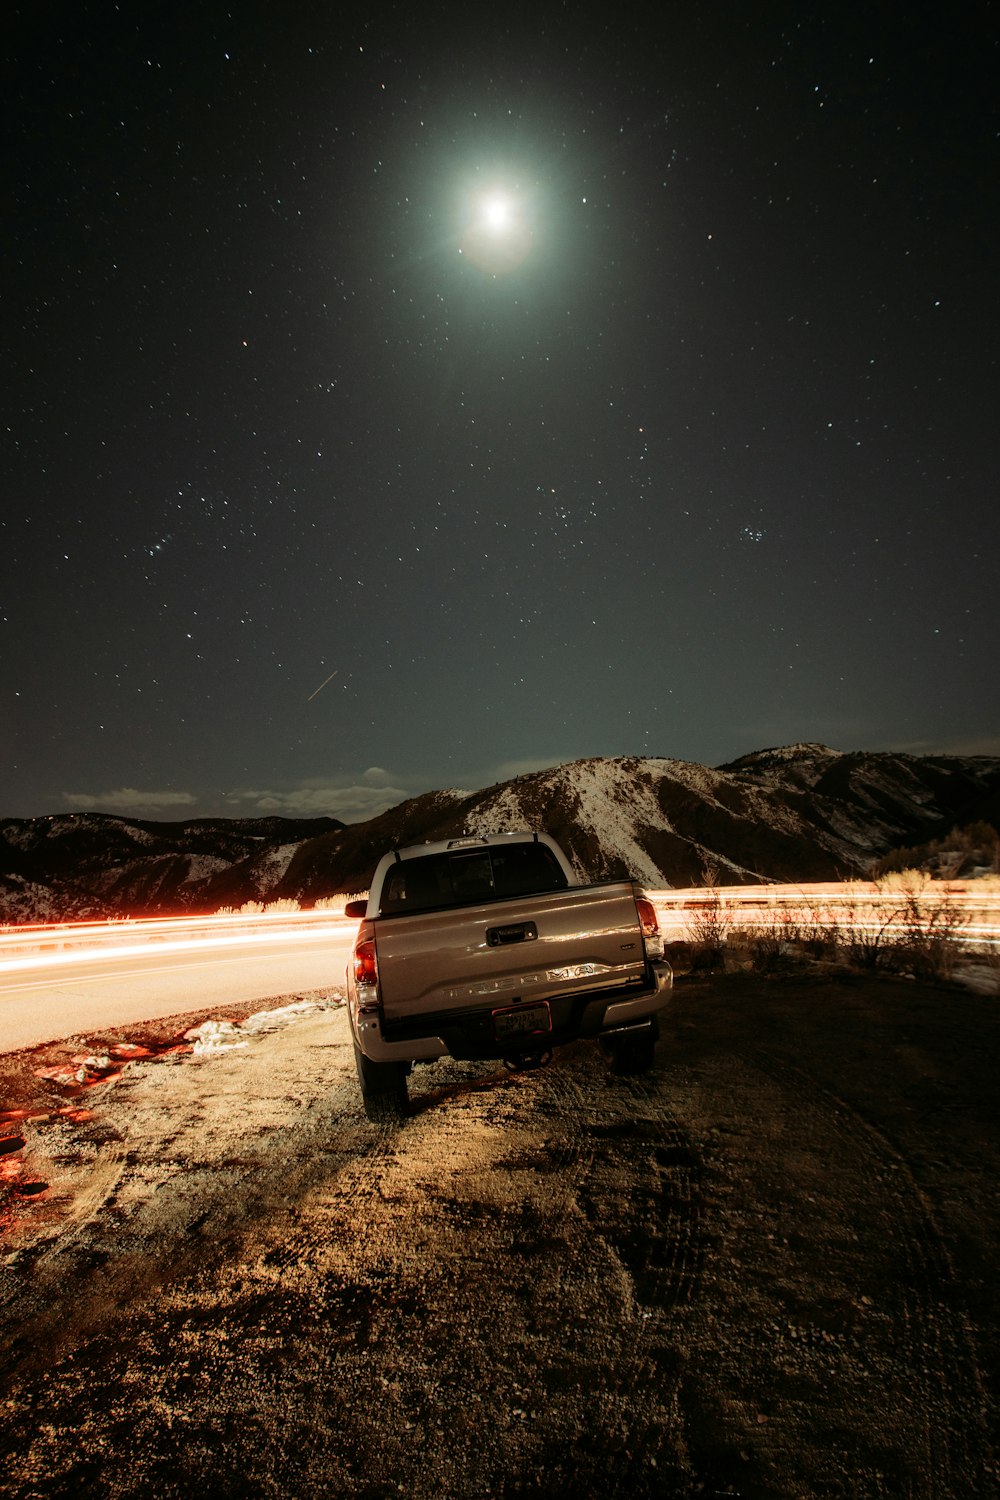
x,y
487,947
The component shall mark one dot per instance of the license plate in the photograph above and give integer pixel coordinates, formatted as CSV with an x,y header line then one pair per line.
x,y
523,1020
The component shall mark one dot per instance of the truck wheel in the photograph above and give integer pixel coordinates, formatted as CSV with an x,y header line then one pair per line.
x,y
383,1088
633,1052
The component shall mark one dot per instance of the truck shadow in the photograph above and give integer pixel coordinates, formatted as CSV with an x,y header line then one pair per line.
x,y
497,1080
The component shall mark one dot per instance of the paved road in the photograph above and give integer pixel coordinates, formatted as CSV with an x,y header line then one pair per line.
x,y
91,988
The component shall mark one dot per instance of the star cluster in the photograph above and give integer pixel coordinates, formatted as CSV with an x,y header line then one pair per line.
x,y
549,387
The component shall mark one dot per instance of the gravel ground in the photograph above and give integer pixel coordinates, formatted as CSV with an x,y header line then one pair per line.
x,y
766,1269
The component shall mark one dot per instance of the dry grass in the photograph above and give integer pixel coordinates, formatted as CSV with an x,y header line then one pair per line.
x,y
915,930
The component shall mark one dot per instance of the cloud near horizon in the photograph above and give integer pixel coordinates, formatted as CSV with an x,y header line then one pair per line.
x,y
371,793
988,745
354,800
350,798
129,800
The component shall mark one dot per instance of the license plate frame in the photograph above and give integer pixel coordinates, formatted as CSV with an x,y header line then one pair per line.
x,y
516,1021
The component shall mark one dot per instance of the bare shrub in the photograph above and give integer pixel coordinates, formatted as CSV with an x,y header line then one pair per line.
x,y
907,928
905,882
769,942
865,933
907,924
927,942
708,925
335,904
710,922
819,933
256,908
966,851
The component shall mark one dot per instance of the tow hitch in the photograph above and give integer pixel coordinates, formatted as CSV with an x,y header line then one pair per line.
x,y
525,1062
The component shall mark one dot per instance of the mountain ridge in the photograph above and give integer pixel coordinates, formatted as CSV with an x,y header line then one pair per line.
x,y
798,813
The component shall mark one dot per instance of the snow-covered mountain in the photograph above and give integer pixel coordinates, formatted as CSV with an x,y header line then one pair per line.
x,y
77,865
796,813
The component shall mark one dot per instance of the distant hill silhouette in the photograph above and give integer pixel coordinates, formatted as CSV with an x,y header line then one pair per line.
x,y
795,813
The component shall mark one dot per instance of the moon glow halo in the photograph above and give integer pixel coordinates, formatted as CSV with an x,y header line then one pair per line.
x,y
496,238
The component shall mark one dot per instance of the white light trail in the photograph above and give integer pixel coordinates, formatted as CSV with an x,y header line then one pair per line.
x,y
856,904
853,904
83,942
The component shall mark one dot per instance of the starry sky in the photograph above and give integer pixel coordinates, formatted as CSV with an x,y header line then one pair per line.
x,y
406,396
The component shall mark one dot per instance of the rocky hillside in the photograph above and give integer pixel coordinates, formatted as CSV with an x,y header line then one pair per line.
x,y
75,866
799,813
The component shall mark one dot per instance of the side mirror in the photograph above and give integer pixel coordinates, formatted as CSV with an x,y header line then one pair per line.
x,y
356,910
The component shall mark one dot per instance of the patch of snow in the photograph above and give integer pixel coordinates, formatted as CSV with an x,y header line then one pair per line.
x,y
18,836
611,810
688,773
79,1070
214,1037
501,814
802,750
139,835
30,903
982,979
59,827
270,868
201,866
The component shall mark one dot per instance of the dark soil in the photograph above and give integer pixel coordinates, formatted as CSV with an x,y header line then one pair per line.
x,y
769,1269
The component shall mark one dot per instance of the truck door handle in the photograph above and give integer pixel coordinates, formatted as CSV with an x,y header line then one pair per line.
x,y
517,932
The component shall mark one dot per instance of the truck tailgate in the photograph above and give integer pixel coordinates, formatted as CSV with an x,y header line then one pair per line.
x,y
534,947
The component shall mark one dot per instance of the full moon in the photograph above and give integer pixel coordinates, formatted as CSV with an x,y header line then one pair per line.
x,y
496,238
497,212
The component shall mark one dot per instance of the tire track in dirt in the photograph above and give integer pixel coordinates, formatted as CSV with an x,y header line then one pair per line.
x,y
922,1300
654,1230
639,1188
462,1271
831,1338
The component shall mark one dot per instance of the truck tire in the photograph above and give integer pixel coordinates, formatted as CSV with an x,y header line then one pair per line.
x,y
634,1051
383,1088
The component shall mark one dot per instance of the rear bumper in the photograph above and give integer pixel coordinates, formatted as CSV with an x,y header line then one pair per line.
x,y
470,1034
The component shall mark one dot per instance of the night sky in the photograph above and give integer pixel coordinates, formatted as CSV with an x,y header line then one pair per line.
x,y
402,397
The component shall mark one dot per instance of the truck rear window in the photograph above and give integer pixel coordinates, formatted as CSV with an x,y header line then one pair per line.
x,y
464,877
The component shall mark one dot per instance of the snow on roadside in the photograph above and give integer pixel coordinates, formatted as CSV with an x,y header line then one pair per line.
x,y
212,1038
981,978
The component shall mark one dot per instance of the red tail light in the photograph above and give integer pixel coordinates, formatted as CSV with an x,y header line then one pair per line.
x,y
365,966
647,917
651,940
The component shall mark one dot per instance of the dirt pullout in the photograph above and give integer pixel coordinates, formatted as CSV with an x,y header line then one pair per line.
x,y
765,1270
